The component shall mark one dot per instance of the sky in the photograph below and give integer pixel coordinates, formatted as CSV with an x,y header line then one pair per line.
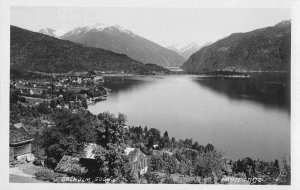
x,y
165,26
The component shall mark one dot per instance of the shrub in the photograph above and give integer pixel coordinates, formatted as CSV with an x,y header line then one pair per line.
x,y
45,175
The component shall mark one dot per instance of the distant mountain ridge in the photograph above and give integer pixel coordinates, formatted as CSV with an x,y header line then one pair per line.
x,y
38,52
186,50
120,40
265,49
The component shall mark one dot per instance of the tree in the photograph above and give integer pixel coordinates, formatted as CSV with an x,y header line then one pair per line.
x,y
247,166
173,142
14,96
109,135
276,163
209,148
165,140
188,143
145,131
84,104
166,135
53,104
285,175
195,146
110,129
155,134
150,142
68,136
43,108
210,164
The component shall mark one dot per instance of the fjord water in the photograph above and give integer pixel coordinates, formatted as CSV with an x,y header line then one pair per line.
x,y
242,116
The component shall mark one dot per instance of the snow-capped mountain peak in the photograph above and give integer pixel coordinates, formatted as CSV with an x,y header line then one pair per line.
x,y
99,27
185,50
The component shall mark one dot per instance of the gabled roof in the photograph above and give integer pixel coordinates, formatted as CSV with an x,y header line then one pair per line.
x,y
71,165
18,134
135,154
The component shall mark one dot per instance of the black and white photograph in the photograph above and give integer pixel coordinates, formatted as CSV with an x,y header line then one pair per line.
x,y
148,94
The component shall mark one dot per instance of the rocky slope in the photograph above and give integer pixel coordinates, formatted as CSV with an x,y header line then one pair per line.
x,y
265,49
38,52
120,40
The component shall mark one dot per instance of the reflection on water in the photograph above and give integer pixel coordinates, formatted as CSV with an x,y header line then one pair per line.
x,y
229,113
269,89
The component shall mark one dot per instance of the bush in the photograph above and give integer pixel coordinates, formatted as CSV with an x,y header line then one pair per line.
x,y
152,178
45,175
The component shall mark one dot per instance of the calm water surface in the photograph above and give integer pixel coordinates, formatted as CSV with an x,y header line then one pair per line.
x,y
243,117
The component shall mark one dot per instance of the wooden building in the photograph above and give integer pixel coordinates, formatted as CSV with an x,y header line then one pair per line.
x,y
19,143
139,161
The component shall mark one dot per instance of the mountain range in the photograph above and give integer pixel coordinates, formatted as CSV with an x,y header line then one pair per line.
x,y
39,52
120,40
265,49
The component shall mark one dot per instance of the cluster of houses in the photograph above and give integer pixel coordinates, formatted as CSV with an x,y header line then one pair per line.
x,y
84,165
35,88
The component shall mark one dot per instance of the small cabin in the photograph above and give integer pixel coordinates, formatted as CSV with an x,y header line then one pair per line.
x,y
19,143
84,165
138,160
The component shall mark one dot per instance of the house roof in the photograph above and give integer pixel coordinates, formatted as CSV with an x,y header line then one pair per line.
x,y
135,154
70,165
89,150
18,134
18,125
